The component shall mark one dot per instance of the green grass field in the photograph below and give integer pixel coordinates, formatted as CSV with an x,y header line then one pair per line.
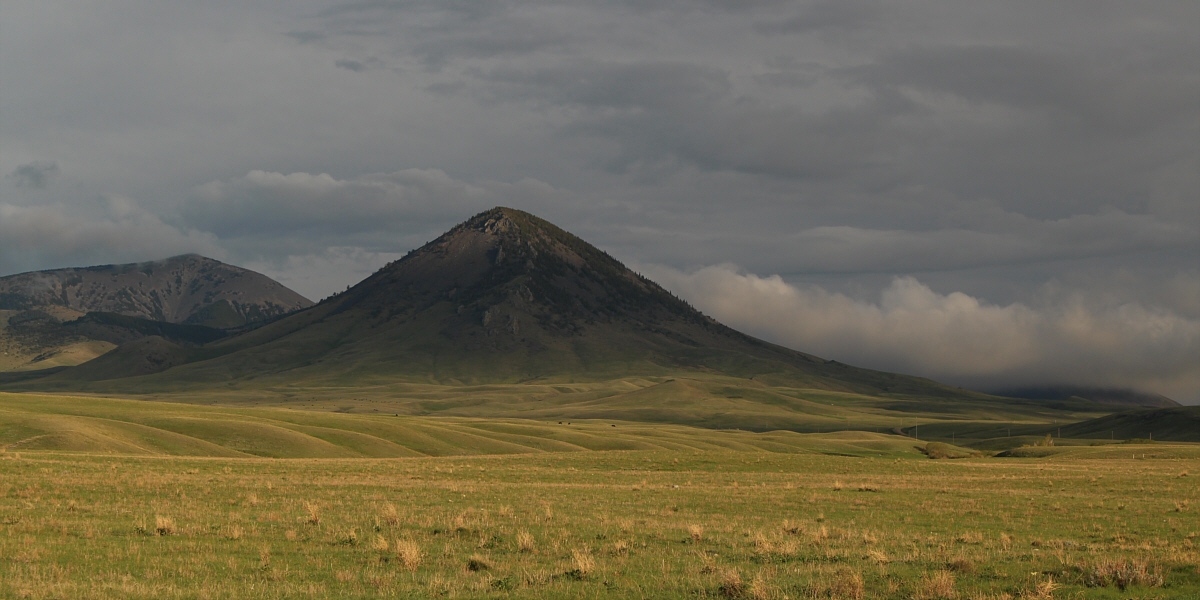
x,y
105,498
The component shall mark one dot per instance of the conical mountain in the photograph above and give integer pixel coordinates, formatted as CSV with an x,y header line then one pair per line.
x,y
506,297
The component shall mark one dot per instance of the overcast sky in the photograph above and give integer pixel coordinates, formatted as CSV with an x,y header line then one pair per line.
x,y
989,193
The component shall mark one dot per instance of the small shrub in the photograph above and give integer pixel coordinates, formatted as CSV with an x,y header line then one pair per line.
x,y
938,585
408,553
759,589
478,563
313,512
525,542
819,534
349,538
582,563
969,537
504,584
1121,573
878,556
388,513
730,585
1043,590
847,584
164,525
961,564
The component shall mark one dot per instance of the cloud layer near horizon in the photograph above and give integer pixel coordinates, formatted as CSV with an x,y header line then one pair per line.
x,y
956,338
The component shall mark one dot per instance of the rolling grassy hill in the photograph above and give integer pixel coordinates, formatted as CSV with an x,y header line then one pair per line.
x,y
128,427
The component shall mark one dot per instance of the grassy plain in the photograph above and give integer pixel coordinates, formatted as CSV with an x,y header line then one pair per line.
x,y
677,513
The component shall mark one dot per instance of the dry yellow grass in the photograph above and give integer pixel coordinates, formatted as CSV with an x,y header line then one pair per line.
x,y
567,526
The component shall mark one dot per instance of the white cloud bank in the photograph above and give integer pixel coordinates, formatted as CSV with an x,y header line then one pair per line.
x,y
56,235
956,338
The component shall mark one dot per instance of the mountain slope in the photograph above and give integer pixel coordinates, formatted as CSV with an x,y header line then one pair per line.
x,y
507,297
187,289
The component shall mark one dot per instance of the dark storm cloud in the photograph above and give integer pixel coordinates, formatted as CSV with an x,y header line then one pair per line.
x,y
36,174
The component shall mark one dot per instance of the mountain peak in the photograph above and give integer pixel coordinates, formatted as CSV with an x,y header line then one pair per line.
x,y
508,261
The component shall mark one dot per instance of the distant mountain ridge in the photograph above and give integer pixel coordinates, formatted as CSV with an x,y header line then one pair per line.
x,y
187,289
507,297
